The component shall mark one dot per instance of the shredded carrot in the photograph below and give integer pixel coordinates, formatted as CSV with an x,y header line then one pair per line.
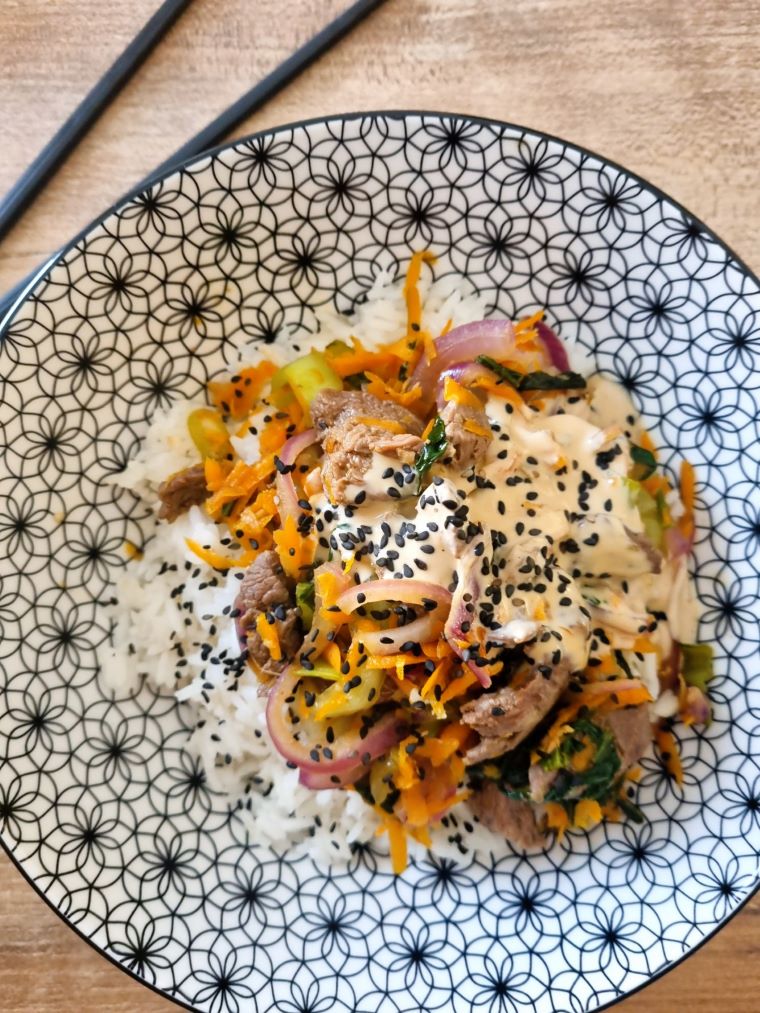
x,y
646,441
273,435
645,645
383,362
238,395
132,551
556,818
587,814
390,390
390,425
268,633
411,291
241,482
397,840
216,559
253,520
666,743
453,391
332,653
216,473
459,685
296,552
477,430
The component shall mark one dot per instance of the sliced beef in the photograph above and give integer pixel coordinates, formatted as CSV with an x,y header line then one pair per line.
x,y
632,730
503,719
540,781
265,588
350,428
466,449
182,490
510,818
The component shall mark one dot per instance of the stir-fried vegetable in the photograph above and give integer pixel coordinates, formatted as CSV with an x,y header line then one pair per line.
x,y
645,463
305,601
209,433
535,380
409,602
304,378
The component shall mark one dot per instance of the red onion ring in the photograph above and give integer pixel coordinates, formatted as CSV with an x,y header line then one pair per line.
x,y
347,754
495,338
677,543
286,490
554,347
419,631
411,592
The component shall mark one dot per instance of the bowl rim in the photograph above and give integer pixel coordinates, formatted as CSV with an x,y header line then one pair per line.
x,y
393,114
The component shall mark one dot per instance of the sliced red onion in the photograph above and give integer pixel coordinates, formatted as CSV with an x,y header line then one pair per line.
x,y
677,543
319,781
347,754
696,709
419,631
411,592
495,338
286,490
455,636
554,347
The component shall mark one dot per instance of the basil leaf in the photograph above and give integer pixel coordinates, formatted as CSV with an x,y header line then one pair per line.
x,y
697,665
537,380
644,463
433,449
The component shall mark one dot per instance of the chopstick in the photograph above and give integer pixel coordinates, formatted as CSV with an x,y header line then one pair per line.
x,y
63,142
215,131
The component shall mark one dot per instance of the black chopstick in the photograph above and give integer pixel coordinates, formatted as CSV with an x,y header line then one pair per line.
x,y
225,123
58,148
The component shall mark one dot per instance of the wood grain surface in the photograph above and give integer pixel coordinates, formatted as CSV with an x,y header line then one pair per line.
x,y
669,89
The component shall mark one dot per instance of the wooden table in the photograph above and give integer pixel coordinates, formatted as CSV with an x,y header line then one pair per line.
x,y
670,88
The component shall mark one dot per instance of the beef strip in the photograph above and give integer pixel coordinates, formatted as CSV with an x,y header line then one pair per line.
x,y
182,490
349,438
504,718
510,818
265,588
465,448
632,730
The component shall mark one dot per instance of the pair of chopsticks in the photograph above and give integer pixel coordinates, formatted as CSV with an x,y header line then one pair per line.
x,y
21,195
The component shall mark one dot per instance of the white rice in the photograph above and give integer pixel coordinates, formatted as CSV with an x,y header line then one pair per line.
x,y
170,626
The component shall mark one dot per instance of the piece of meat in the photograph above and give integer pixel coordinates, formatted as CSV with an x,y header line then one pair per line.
x,y
351,428
503,719
182,490
265,588
466,449
510,818
540,781
632,730
333,407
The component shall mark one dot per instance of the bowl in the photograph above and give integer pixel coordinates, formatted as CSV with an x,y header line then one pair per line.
x,y
101,808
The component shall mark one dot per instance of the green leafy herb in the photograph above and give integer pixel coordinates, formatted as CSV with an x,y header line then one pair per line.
x,y
644,463
433,449
537,380
697,665
597,781
632,811
305,601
